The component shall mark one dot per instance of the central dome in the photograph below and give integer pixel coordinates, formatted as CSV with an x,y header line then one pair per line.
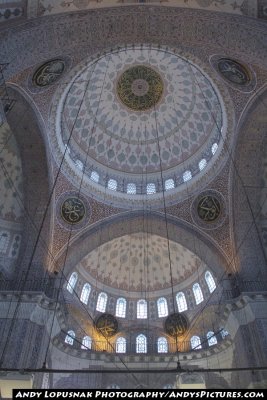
x,y
135,118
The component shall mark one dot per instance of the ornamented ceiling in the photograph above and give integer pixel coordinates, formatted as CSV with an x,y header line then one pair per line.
x,y
139,262
140,111
49,7
138,115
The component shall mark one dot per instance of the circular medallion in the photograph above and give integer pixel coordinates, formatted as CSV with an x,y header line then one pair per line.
x,y
209,208
176,325
140,88
233,71
73,210
48,73
107,325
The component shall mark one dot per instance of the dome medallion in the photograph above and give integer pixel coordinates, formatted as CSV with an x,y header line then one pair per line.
x,y
140,88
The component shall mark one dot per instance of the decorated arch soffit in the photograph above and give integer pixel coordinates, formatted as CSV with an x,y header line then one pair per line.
x,y
251,8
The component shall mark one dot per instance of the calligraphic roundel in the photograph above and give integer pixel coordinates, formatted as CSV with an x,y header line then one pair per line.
x,y
176,324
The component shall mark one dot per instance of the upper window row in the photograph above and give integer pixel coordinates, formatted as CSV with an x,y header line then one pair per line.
x,y
141,342
162,304
131,188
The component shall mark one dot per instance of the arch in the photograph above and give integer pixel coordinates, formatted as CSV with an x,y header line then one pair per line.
x,y
211,338
131,188
198,293
202,164
132,222
85,293
181,302
4,241
121,308
195,343
94,176
187,175
69,339
141,344
112,184
86,343
214,148
141,312
72,282
162,345
29,131
102,302
162,307
121,345
210,281
150,188
169,184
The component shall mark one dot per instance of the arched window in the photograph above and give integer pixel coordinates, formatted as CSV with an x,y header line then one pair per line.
x,y
181,302
211,338
72,282
224,333
162,345
202,164
67,149
70,337
187,175
198,293
102,302
141,344
150,188
169,184
4,240
121,345
214,148
142,309
113,386
86,343
210,281
131,188
162,307
121,308
79,164
94,176
195,343
85,293
112,184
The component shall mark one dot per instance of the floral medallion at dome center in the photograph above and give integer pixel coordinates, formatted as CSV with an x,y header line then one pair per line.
x,y
140,88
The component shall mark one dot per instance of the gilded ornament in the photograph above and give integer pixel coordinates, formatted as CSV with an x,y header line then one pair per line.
x,y
176,325
107,325
73,210
233,71
140,88
48,73
208,208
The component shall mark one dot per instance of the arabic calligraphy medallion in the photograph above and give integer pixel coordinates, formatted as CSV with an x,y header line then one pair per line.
x,y
107,325
233,71
208,208
73,210
176,325
140,88
48,73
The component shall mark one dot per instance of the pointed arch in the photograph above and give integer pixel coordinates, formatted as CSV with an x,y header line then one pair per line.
x,y
85,293
141,344
101,302
72,282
